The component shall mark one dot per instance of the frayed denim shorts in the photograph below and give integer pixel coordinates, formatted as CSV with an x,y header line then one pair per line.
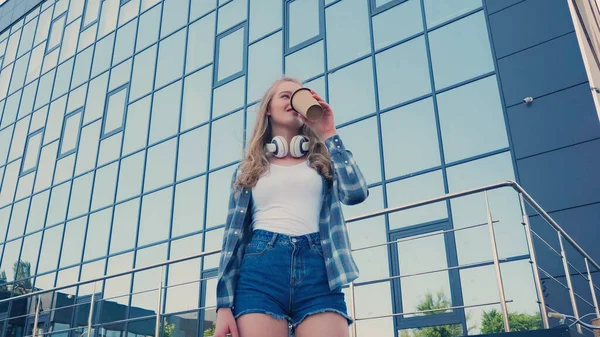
x,y
285,277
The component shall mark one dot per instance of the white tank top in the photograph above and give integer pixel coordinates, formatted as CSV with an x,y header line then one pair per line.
x,y
287,200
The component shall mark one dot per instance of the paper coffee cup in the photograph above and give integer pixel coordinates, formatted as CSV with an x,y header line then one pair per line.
x,y
304,103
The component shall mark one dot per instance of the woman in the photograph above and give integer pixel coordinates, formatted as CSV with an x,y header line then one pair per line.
x,y
286,252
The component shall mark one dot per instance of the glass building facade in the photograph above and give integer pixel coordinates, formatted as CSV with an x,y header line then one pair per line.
x,y
121,122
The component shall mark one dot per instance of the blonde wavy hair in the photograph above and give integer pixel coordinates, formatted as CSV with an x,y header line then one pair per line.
x,y
256,162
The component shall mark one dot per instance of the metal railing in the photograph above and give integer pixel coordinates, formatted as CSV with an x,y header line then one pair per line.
x,y
530,236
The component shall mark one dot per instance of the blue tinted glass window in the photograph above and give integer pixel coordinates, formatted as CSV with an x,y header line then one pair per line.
x,y
43,26
27,38
231,14
304,21
50,60
46,167
96,242
165,112
347,31
306,63
265,17
410,141
81,193
104,186
226,139
125,42
440,11
92,9
17,219
103,54
108,17
264,65
50,249
402,81
354,81
148,30
129,10
10,257
81,71
70,132
75,10
170,58
55,120
219,183
201,7
19,72
231,53
460,51
11,107
77,98
69,44
397,23
119,75
471,120
197,97
37,212
175,13
110,148
193,153
30,255
94,105
136,126
5,136
88,147
19,139
130,176
35,63
73,247
124,226
63,78
200,43
142,78
116,103
188,215
365,149
155,219
228,97
87,37
56,32
11,49
32,151
27,100
160,165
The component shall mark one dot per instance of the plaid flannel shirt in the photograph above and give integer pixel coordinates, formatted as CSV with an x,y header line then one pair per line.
x,y
348,187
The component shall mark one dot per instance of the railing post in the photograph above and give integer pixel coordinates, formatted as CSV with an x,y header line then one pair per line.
x,y
536,271
497,264
37,315
563,254
91,315
159,303
353,309
592,289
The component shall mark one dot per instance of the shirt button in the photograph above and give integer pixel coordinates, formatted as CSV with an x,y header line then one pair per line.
x,y
338,146
324,242
336,140
246,192
236,232
242,211
294,240
345,161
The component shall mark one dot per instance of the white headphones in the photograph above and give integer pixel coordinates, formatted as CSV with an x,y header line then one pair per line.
x,y
279,148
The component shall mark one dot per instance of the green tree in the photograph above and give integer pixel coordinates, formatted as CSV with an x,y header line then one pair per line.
x,y
431,304
3,286
492,322
209,332
22,272
167,329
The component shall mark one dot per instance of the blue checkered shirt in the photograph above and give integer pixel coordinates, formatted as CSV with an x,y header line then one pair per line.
x,y
348,187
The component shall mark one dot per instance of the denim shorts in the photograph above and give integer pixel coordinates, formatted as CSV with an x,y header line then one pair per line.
x,y
285,277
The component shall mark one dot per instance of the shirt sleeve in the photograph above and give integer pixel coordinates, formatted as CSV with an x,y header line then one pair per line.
x,y
352,186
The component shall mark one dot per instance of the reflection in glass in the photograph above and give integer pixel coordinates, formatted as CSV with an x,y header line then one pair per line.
x,y
372,262
57,208
119,75
228,97
174,16
130,176
10,257
460,50
114,287
210,301
37,212
185,324
56,32
110,148
136,126
212,242
142,77
54,123
108,17
354,81
81,193
170,57
50,249
88,147
148,28
19,139
347,31
231,14
184,297
306,62
450,330
103,54
264,65
104,186
70,134
91,271
415,189
410,141
124,42
373,300
165,112
364,148
402,81
265,17
94,105
115,110
155,218
28,260
188,215
200,43
31,152
124,226
227,139
197,89
303,20
438,12
96,242
69,44
46,167
193,153
18,218
160,165
146,280
471,120
72,248
231,53
10,182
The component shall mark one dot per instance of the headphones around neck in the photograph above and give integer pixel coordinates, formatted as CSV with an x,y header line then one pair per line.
x,y
279,148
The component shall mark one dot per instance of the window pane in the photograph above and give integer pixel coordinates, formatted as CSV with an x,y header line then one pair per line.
x,y
136,127
231,54
28,260
219,186
43,26
32,151
27,100
307,62
104,186
72,248
160,165
50,249
17,219
354,81
147,280
231,14
64,169
410,140
188,215
347,31
175,13
165,112
125,226
56,31
81,71
103,54
128,11
143,73
130,176
70,132
92,9
460,51
96,243
372,262
201,7
472,120
27,38
125,42
46,167
87,37
10,257
441,11
415,189
80,195
109,149
226,139
148,30
19,139
402,81
119,75
156,214
58,204
365,149
170,58
38,119
19,73
115,110
88,148
4,218
265,17
37,212
75,10
108,17
184,297
200,43
54,123
212,241
264,65
25,186
10,181
69,45
193,153
196,98
228,97
304,21
94,105
77,98
50,61
11,108
35,63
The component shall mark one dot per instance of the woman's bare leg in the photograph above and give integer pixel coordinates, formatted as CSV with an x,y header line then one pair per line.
x,y
261,325
327,324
